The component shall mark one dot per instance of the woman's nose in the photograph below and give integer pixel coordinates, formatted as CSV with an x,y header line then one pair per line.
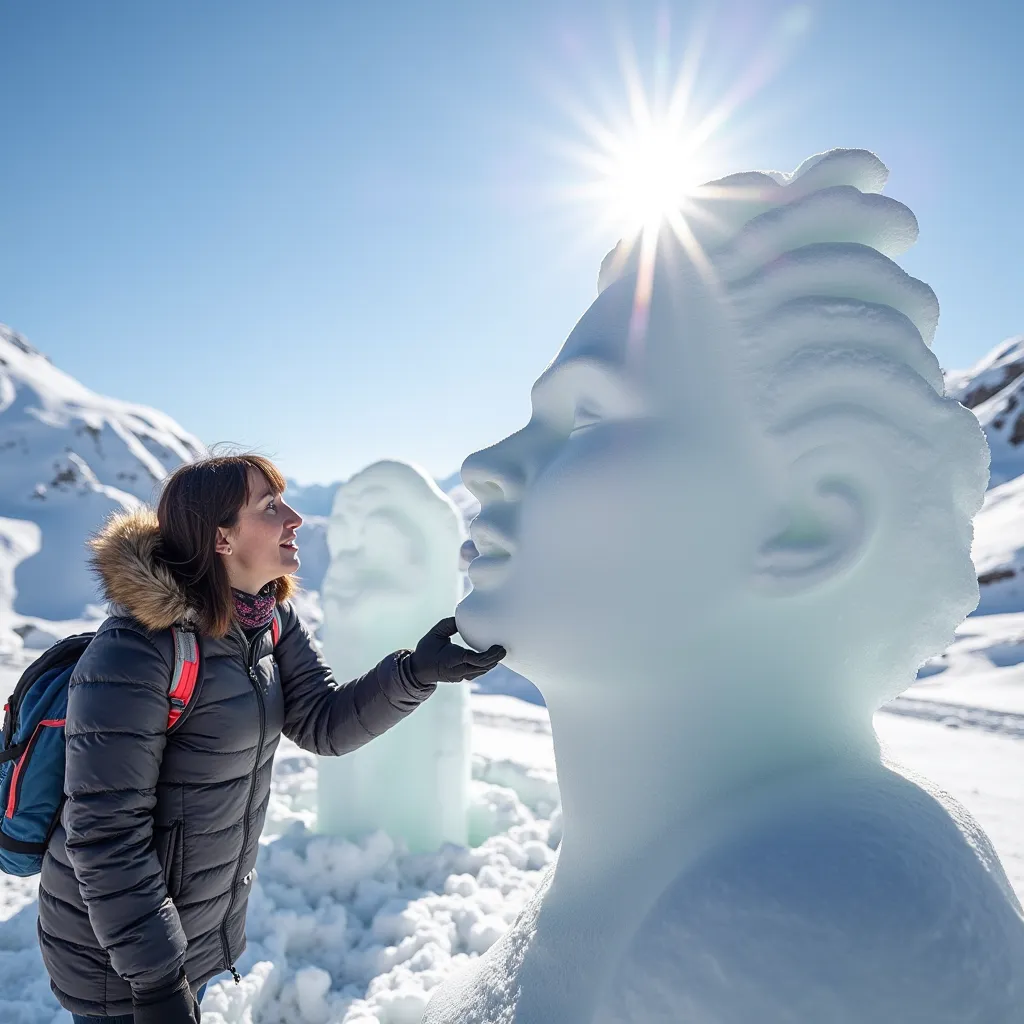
x,y
294,520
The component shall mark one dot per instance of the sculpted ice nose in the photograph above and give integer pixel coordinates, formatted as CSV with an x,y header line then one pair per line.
x,y
492,475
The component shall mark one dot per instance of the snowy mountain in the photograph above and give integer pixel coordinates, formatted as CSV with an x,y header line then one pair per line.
x,y
994,389
68,457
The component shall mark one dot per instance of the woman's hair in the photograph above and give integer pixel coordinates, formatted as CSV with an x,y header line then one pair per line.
x,y
197,498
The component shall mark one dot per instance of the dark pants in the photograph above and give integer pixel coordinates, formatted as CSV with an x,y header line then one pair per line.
x,y
124,1018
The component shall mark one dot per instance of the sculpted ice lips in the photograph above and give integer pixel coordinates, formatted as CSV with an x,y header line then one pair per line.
x,y
738,530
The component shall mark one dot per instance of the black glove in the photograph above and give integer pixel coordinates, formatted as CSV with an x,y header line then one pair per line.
x,y
437,660
170,1004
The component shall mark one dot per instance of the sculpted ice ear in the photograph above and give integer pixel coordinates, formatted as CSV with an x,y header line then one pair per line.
x,y
825,530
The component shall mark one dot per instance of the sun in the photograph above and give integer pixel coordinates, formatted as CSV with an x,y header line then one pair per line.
x,y
648,174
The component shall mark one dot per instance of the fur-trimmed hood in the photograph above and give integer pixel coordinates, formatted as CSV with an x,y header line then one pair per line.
x,y
126,560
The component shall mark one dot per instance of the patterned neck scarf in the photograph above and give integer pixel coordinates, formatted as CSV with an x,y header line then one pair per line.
x,y
255,610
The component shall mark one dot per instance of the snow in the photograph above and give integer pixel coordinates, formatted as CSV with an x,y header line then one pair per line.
x,y
994,389
70,457
998,548
712,644
385,928
982,669
18,540
342,931
394,541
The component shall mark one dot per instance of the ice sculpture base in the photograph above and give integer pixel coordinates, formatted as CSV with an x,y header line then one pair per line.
x,y
851,899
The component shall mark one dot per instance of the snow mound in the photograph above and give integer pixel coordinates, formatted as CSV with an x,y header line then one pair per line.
x,y
344,932
363,931
19,540
70,457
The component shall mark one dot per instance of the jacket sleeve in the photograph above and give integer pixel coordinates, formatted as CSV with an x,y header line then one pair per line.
x,y
328,717
115,735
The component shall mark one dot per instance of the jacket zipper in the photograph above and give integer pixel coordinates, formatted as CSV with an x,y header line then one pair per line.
x,y
247,660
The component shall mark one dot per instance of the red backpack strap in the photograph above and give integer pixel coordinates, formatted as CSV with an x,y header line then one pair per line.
x,y
275,625
185,674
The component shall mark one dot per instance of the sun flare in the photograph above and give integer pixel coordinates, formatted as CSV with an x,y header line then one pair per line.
x,y
647,178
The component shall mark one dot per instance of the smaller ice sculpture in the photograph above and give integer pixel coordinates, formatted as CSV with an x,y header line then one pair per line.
x,y
394,541
737,521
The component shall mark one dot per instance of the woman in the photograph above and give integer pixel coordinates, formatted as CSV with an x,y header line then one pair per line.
x,y
144,887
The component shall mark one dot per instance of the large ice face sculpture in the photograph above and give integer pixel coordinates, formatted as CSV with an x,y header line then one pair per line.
x,y
737,521
394,541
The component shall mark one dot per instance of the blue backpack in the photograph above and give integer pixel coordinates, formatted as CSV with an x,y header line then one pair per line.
x,y
32,744
32,747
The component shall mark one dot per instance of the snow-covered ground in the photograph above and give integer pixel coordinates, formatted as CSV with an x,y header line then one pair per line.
x,y
354,934
982,669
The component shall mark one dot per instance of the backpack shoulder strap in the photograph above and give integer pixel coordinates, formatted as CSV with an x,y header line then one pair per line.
x,y
185,674
187,660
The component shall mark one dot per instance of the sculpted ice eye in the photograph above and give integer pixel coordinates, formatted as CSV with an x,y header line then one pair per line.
x,y
713,608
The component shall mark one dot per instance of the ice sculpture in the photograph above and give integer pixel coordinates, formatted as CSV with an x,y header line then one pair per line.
x,y
737,521
394,541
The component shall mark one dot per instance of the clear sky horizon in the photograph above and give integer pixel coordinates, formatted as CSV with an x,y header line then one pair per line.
x,y
340,232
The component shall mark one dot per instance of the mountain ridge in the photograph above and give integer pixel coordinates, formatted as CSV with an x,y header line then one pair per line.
x,y
68,458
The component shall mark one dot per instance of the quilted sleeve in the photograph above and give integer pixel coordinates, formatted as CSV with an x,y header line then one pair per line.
x,y
328,717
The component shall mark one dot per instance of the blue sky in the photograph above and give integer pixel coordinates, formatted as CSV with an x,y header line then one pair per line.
x,y
339,232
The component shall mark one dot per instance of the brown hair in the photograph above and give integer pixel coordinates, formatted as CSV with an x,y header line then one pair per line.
x,y
197,498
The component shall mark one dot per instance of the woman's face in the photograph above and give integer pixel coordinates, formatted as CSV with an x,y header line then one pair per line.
x,y
261,546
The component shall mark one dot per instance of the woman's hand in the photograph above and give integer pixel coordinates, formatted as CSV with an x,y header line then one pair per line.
x,y
171,1004
437,660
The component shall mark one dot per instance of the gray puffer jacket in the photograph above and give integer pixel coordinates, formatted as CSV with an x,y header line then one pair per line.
x,y
153,865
